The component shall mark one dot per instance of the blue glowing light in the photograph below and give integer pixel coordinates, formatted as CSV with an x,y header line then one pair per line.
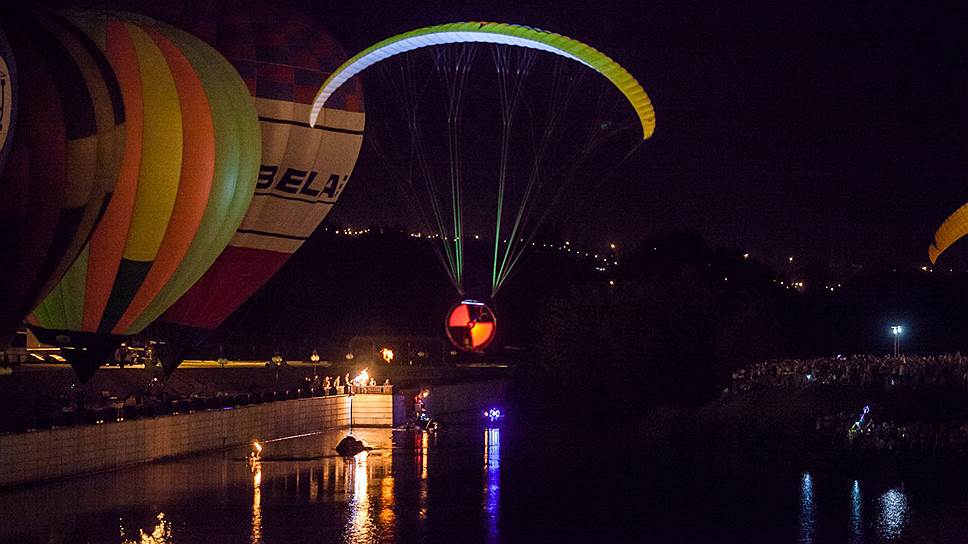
x,y
493,414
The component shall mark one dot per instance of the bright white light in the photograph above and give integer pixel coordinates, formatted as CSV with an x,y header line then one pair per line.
x,y
893,513
896,330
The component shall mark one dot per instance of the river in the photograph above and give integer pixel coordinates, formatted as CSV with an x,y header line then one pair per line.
x,y
541,483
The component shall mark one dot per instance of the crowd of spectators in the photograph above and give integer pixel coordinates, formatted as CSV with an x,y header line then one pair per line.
x,y
76,407
874,432
909,371
919,438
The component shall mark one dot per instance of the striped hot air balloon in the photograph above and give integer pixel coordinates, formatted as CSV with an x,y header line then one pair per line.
x,y
283,57
186,180
62,125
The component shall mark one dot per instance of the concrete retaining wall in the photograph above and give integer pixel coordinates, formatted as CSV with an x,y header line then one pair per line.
x,y
42,455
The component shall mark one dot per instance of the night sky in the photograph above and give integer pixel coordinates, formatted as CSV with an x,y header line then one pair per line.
x,y
833,133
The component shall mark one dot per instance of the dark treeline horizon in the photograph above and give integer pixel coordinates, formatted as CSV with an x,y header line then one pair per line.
x,y
681,315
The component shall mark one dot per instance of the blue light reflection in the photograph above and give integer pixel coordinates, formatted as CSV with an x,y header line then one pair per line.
x,y
808,512
492,481
856,514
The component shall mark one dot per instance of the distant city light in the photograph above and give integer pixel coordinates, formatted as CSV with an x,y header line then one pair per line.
x,y
746,255
790,259
612,245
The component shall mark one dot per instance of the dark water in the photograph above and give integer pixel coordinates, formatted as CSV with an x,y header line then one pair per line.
x,y
471,485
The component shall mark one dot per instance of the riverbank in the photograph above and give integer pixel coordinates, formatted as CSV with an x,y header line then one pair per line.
x,y
37,397
813,422
219,408
61,452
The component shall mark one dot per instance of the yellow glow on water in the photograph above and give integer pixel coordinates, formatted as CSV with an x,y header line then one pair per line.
x,y
256,502
424,448
360,527
160,534
387,502
422,493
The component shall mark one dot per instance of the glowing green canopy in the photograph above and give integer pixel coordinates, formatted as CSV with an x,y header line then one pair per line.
x,y
497,33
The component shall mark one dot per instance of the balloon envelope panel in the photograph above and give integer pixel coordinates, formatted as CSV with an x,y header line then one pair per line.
x,y
186,178
283,58
60,157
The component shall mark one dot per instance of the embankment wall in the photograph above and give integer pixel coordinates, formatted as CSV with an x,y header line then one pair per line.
x,y
60,452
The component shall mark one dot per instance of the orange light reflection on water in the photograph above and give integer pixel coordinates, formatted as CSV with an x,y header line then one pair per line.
x,y
256,502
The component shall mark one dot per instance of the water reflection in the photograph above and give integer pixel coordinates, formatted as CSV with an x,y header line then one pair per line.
x,y
894,513
492,481
808,512
856,515
421,455
161,534
360,527
256,467
386,498
388,504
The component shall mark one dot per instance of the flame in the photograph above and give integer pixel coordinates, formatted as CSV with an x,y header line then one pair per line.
x,y
363,378
387,354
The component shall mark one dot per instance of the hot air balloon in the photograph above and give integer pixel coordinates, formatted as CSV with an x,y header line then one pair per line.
x,y
951,230
186,179
7,109
283,58
62,133
563,105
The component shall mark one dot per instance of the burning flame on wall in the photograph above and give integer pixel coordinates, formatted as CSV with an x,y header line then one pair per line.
x,y
387,354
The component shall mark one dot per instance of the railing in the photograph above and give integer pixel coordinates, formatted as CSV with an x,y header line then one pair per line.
x,y
116,411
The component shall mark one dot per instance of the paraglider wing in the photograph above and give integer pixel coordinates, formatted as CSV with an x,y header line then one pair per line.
x,y
953,229
495,33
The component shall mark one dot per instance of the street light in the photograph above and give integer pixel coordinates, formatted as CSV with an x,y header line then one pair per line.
x,y
896,330
314,358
